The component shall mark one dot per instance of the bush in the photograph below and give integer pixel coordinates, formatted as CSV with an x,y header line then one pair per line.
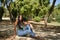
x,y
58,18
37,19
49,20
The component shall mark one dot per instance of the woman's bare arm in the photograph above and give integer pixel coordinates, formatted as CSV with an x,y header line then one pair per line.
x,y
15,23
31,27
15,27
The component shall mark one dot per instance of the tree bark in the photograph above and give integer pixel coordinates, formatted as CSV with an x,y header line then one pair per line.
x,y
49,13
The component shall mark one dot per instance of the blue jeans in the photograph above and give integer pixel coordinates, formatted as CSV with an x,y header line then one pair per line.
x,y
25,31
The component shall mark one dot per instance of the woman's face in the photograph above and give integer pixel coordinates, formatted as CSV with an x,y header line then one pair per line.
x,y
20,17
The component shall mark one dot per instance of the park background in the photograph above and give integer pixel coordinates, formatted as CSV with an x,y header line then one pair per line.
x,y
43,14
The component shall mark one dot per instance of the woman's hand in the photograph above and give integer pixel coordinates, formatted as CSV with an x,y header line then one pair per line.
x,y
33,30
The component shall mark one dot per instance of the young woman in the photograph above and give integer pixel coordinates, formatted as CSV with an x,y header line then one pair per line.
x,y
20,23
27,30
24,28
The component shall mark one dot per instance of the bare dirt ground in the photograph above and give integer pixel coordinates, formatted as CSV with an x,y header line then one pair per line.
x,y
46,33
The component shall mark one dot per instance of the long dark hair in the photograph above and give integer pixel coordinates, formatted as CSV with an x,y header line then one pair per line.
x,y
19,18
20,21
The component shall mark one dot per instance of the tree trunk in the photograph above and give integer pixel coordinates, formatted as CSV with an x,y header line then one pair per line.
x,y
49,13
2,9
1,13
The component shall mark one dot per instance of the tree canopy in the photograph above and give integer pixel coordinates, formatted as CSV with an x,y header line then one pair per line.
x,y
28,8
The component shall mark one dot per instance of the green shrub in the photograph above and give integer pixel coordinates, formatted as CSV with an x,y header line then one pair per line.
x,y
49,20
58,18
37,19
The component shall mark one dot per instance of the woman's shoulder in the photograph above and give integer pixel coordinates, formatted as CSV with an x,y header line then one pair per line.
x,y
16,22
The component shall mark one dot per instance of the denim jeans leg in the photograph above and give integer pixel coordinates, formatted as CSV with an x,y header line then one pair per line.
x,y
26,31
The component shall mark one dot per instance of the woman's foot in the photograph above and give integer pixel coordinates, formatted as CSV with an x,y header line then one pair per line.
x,y
38,38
